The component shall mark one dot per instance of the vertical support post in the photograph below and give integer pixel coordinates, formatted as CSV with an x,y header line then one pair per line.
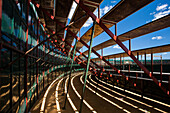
x,y
11,72
19,66
34,80
141,79
37,62
136,79
130,44
87,68
26,57
129,60
120,63
137,56
99,11
161,70
123,62
44,63
169,86
143,83
115,29
102,56
48,81
0,27
152,63
120,66
151,67
129,72
70,73
108,58
145,59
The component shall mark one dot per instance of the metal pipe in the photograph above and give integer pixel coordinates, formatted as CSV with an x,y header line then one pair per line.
x,y
88,62
129,44
152,63
70,73
0,28
74,35
26,57
11,84
161,70
37,89
115,29
99,11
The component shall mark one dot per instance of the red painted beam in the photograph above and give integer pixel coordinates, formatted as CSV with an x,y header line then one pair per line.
x,y
78,38
94,62
101,24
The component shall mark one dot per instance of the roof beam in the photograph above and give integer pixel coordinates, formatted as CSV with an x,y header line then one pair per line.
x,y
153,26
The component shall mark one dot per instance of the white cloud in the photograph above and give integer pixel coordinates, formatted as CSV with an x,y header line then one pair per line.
x,y
148,55
88,22
162,7
162,10
161,14
164,53
152,13
113,1
117,47
72,10
157,38
106,9
102,12
148,21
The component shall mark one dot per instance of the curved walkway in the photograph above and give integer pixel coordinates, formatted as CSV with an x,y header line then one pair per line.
x,y
99,97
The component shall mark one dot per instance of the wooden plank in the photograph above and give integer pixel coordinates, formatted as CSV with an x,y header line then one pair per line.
x,y
63,8
61,12
158,49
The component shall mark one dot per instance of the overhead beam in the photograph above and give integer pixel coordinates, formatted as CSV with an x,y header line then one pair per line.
x,y
153,26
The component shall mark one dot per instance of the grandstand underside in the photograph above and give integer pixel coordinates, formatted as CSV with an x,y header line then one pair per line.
x,y
43,67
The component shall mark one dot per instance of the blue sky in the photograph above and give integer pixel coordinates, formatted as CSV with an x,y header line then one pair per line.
x,y
151,12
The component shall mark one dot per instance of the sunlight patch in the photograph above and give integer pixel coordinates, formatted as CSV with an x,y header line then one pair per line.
x,y
73,8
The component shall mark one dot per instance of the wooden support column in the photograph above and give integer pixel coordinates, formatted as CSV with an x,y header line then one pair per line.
x,y
161,70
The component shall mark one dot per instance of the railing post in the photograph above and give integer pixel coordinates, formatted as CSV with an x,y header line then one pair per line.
x,y
161,70
0,28
26,57
37,62
70,74
87,68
